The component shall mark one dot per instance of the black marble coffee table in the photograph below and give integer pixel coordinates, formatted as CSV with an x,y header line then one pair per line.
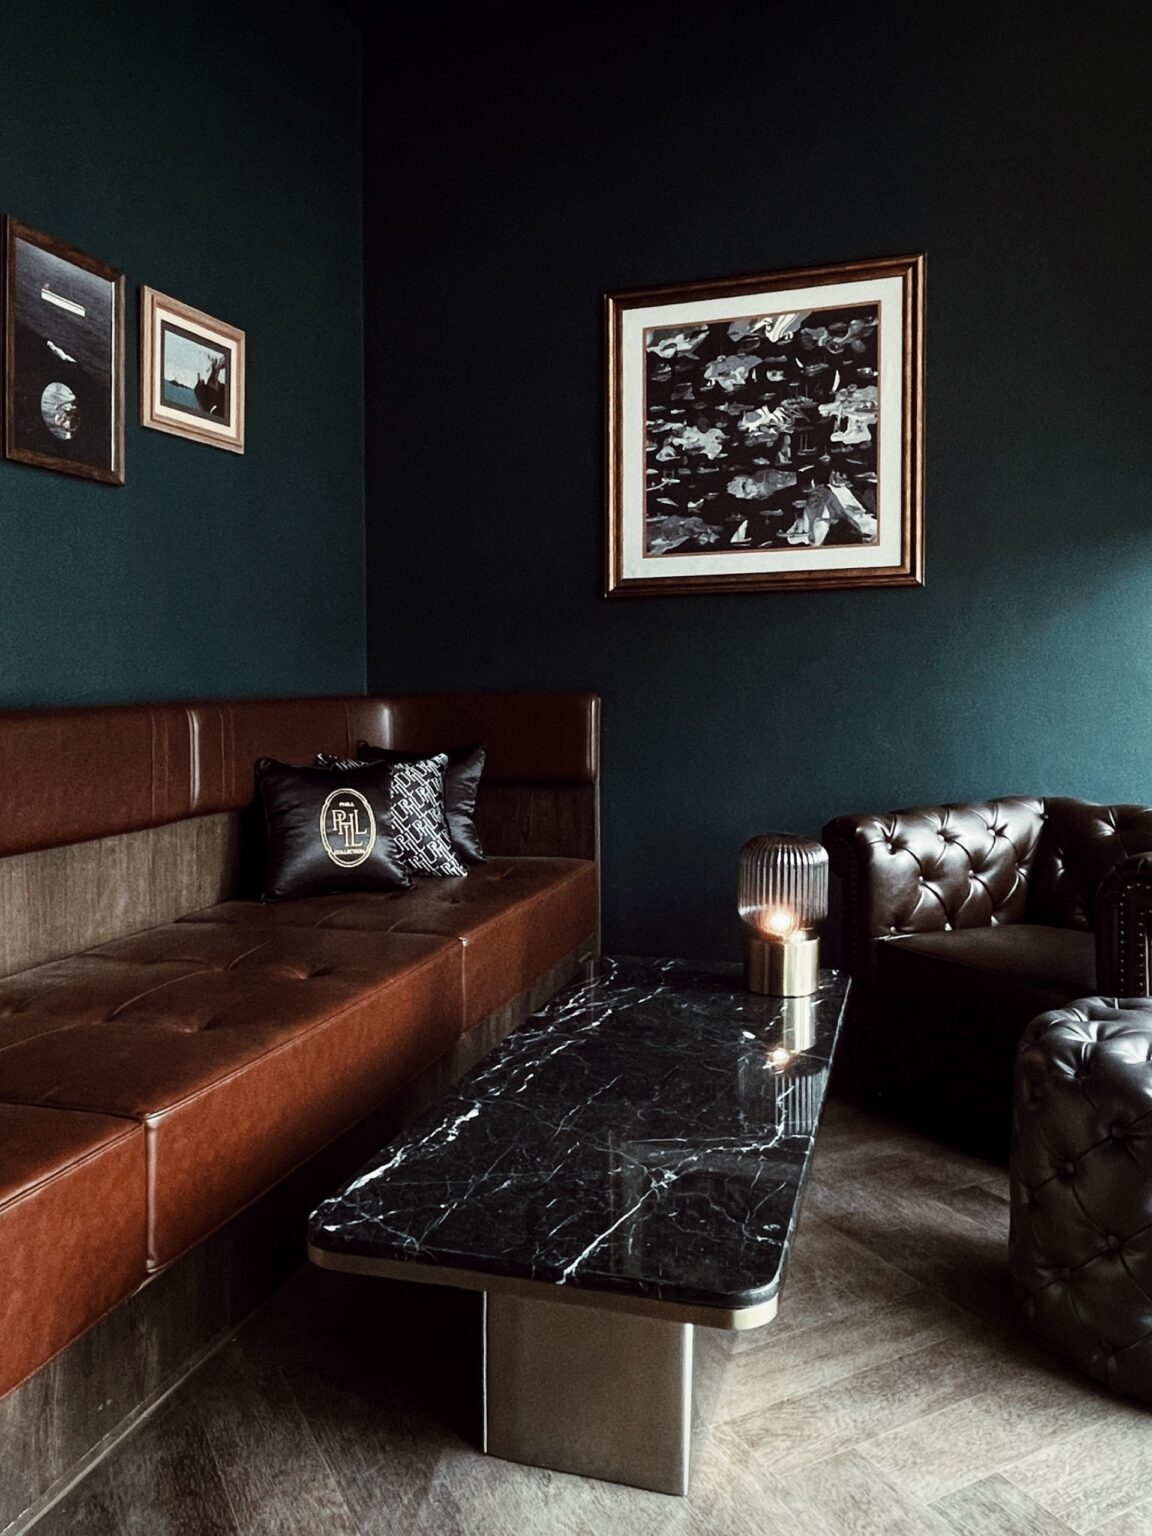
x,y
627,1166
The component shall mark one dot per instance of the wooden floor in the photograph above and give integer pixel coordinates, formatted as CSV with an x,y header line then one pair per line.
x,y
895,1395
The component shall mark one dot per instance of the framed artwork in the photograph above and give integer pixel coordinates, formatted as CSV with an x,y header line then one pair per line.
x,y
191,373
63,357
767,432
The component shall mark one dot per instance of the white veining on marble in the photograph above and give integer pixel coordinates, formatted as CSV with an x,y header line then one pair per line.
x,y
646,1132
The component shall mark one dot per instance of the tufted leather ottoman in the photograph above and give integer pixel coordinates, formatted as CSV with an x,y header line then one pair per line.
x,y
1081,1239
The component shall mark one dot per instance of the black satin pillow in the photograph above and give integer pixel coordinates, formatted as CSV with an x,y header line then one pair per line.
x,y
461,782
328,829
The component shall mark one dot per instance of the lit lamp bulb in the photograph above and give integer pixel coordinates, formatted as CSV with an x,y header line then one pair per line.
x,y
783,897
779,924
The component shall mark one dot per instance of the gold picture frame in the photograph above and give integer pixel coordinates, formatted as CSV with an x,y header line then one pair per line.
x,y
192,373
765,433
63,357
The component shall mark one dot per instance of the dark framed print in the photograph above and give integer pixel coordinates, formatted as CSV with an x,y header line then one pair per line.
x,y
63,357
766,432
191,373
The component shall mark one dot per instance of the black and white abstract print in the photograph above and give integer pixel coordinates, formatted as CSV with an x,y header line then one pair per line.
x,y
762,432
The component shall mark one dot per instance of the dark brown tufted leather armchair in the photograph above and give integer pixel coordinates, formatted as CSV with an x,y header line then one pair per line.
x,y
963,922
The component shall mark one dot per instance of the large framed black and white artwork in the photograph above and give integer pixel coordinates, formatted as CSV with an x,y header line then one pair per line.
x,y
766,432
192,373
63,357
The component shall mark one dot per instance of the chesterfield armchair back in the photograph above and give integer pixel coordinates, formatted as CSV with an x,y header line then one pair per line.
x,y
963,922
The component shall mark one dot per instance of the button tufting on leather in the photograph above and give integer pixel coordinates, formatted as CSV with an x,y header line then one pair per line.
x,y
1102,1088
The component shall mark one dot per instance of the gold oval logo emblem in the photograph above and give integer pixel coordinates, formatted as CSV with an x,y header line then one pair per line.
x,y
347,828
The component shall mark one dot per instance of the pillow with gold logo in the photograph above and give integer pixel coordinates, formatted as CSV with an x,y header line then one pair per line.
x,y
329,829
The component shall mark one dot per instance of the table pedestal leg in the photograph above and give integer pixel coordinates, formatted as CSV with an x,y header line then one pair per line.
x,y
588,1390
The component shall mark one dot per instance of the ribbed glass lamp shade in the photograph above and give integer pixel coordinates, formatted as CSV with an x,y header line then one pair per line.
x,y
783,884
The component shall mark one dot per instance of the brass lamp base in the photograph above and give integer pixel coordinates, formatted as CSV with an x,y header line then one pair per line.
x,y
781,967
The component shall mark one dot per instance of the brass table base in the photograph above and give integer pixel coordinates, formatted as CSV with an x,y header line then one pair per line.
x,y
580,1389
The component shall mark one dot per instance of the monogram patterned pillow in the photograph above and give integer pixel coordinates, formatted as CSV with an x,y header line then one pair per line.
x,y
461,786
418,823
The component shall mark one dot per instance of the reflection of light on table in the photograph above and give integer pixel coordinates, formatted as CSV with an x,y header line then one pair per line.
x,y
798,1024
799,1103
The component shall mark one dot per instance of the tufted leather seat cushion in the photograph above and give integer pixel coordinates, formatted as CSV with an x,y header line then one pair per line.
x,y
990,977
73,1198
241,1049
513,919
1081,1236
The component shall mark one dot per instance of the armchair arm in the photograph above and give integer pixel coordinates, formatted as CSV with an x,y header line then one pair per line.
x,y
1124,928
929,869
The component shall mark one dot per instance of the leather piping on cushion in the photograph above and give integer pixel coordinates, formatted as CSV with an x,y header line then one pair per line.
x,y
514,919
249,1051
73,1229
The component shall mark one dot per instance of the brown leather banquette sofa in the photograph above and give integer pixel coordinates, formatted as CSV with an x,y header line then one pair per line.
x,y
962,923
171,1049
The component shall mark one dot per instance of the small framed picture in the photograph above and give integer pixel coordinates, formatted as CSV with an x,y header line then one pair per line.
x,y
191,373
766,433
63,357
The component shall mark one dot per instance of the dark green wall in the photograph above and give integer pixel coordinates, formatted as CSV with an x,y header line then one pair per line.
x,y
522,162
212,152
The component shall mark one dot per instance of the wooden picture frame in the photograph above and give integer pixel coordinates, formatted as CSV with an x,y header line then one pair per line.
x,y
765,433
63,357
192,373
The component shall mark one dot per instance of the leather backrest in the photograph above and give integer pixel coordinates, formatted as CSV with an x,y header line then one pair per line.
x,y
228,737
69,775
930,868
531,738
1080,844
939,866
75,775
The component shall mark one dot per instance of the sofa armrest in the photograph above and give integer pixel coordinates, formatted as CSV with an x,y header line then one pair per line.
x,y
1124,928
930,869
